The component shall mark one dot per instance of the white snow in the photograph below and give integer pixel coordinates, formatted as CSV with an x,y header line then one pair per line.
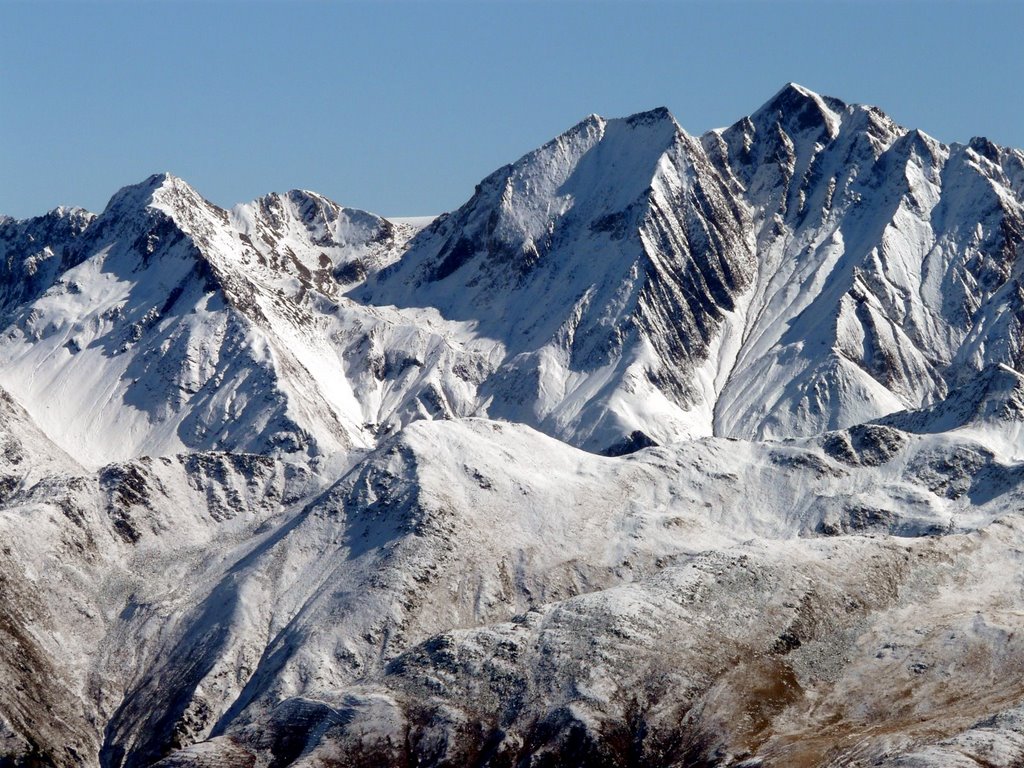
x,y
297,470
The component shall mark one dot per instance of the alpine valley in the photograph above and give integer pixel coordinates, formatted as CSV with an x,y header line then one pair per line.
x,y
662,450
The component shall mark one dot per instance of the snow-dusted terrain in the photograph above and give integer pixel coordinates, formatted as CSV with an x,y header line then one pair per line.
x,y
662,450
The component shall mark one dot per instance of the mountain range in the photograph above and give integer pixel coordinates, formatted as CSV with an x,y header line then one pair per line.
x,y
662,450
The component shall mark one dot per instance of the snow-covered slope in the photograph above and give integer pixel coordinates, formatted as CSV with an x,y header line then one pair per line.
x,y
172,329
454,525
861,653
292,483
811,267
886,265
35,252
606,263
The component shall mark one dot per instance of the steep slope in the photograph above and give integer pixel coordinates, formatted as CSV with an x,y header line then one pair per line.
x,y
989,408
296,484
97,570
612,572
606,263
862,652
996,396
307,237
41,695
464,523
811,267
889,265
170,331
35,252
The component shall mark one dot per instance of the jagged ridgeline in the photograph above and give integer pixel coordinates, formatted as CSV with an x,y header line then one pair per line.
x,y
662,450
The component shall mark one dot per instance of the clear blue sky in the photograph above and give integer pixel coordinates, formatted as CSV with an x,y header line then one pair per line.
x,y
401,108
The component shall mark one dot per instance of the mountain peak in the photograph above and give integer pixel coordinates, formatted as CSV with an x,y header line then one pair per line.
x,y
651,116
658,124
350,543
984,147
78,216
170,190
797,89
67,211
159,181
799,109
160,188
309,201
304,203
793,94
587,130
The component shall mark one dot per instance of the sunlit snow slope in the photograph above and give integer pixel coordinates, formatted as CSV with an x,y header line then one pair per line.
x,y
662,450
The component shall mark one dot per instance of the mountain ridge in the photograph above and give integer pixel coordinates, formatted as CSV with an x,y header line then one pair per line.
x,y
710,233
660,450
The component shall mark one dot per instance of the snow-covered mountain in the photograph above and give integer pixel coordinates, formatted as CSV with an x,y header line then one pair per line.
x,y
810,267
608,264
888,262
661,450
179,326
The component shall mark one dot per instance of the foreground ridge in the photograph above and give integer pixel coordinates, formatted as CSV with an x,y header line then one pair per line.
x,y
661,450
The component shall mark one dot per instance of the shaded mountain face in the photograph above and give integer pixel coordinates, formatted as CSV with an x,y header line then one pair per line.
x,y
661,450
35,252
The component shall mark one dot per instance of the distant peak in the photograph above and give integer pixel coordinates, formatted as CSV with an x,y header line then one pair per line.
x,y
987,149
795,93
303,203
160,188
655,125
917,142
161,181
311,206
656,115
76,217
68,210
800,108
799,89
590,122
307,197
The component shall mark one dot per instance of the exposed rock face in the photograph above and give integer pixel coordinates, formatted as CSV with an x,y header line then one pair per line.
x,y
660,450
